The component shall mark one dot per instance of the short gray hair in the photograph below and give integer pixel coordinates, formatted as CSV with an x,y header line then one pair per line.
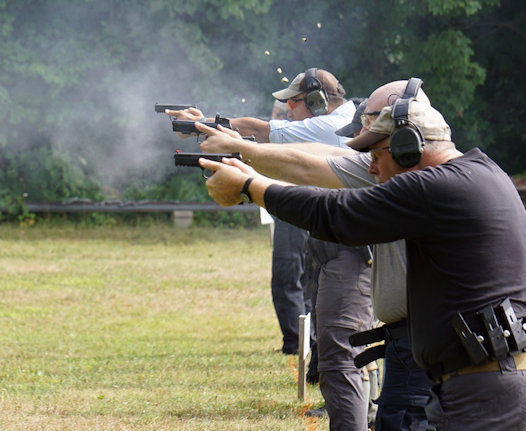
x,y
432,146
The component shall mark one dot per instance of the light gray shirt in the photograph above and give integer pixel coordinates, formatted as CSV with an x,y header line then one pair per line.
x,y
388,281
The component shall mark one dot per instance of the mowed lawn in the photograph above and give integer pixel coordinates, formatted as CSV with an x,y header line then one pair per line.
x,y
152,328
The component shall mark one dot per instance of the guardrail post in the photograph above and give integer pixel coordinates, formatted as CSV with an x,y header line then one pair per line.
x,y
183,219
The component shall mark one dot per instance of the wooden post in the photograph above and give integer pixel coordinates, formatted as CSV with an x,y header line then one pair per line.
x,y
183,219
303,352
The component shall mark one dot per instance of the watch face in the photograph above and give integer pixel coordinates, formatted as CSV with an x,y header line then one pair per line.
x,y
245,198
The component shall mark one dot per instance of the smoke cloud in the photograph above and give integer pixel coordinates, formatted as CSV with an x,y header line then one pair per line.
x,y
104,117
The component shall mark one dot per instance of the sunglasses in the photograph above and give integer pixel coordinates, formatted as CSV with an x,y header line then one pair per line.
x,y
297,100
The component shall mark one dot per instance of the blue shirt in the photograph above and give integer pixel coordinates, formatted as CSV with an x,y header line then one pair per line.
x,y
314,129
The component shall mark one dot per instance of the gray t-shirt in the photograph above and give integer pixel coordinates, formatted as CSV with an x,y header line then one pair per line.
x,y
388,281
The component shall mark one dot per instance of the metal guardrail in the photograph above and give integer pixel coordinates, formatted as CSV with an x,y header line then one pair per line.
x,y
76,206
81,205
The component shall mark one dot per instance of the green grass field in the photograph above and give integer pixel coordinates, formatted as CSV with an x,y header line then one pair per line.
x,y
153,328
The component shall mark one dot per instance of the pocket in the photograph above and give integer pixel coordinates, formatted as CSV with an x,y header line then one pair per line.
x,y
344,292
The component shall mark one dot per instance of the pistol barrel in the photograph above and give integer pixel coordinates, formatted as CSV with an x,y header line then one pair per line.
x,y
160,107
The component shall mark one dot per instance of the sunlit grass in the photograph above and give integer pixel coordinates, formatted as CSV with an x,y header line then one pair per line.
x,y
142,329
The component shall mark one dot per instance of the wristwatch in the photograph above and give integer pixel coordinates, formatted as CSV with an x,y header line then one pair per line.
x,y
245,194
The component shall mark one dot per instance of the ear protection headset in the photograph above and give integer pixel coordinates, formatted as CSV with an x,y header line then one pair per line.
x,y
406,142
316,99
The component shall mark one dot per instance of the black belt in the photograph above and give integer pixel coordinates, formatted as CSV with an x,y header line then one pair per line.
x,y
387,333
436,371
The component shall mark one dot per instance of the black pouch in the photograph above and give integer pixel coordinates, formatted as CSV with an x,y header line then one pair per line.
x,y
501,333
471,341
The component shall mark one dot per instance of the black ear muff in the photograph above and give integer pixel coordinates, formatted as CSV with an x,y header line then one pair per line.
x,y
406,142
316,99
406,146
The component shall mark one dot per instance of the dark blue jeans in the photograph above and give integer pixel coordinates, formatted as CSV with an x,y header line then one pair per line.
x,y
405,391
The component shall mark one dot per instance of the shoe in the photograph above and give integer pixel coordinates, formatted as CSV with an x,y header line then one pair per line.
x,y
317,413
289,351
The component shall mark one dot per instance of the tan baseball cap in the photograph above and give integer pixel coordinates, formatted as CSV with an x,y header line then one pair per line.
x,y
429,121
329,82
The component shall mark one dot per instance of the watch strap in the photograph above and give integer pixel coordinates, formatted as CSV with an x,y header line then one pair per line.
x,y
245,192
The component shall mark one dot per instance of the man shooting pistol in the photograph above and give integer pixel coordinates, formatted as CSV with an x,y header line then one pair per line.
x,y
185,127
247,126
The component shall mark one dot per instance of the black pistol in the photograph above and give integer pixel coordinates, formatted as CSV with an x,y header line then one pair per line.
x,y
192,159
160,107
187,127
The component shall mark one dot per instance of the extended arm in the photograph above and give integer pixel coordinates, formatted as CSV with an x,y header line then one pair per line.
x,y
327,216
246,126
303,163
382,213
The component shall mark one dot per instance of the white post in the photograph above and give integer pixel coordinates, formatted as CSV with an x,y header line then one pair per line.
x,y
303,352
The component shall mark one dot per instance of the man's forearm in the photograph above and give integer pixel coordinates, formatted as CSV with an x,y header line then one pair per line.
x,y
320,149
287,163
248,126
303,163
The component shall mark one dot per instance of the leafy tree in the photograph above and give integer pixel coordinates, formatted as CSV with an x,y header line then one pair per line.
x,y
495,120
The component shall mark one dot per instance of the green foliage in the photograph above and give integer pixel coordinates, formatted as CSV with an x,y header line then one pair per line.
x,y
187,186
13,207
496,113
42,175
458,7
453,82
